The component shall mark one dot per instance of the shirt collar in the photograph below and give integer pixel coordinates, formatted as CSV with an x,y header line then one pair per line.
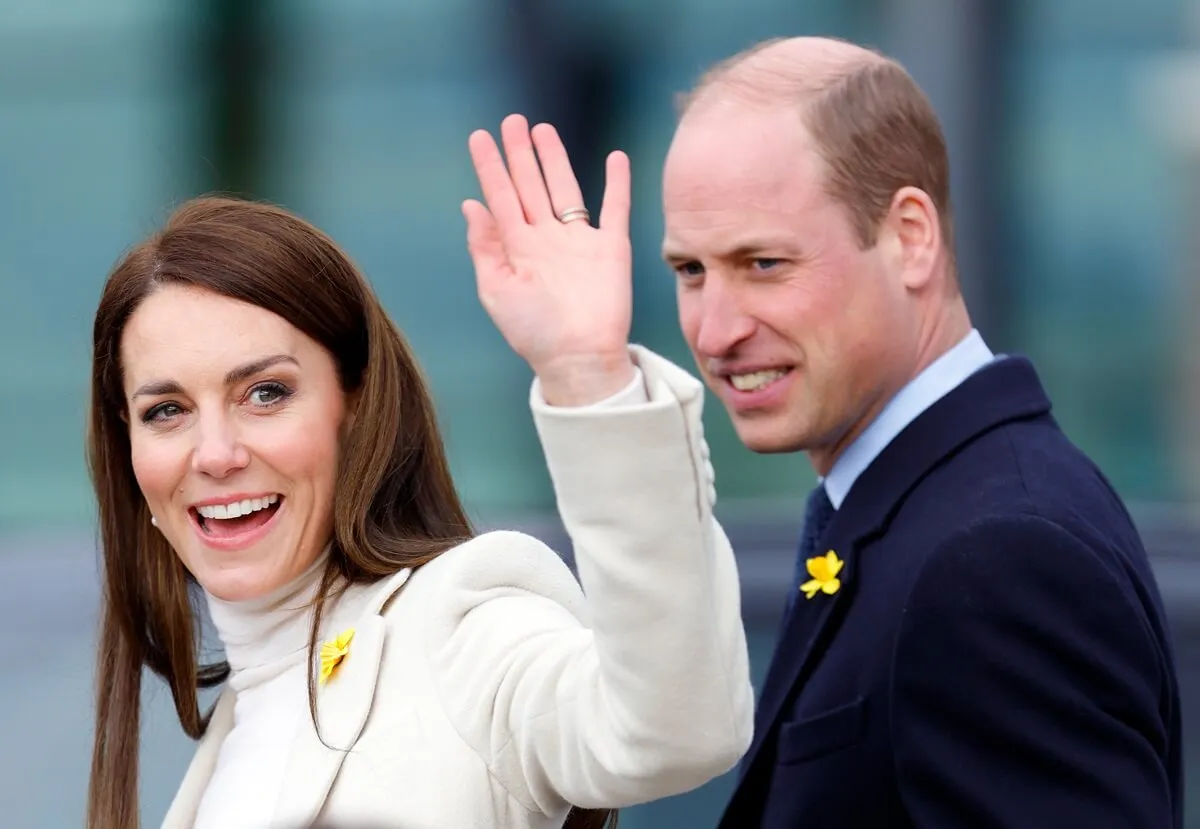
x,y
938,379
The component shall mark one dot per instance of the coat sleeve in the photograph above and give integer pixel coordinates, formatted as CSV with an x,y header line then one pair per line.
x,y
641,690
1030,689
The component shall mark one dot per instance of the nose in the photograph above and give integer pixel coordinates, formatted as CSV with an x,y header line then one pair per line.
x,y
722,322
219,451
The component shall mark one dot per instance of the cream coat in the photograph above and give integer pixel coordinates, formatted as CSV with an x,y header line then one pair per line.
x,y
484,691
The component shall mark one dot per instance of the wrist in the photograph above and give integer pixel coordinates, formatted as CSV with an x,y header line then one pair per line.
x,y
582,381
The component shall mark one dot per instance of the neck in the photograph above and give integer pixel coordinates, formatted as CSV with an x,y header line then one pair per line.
x,y
269,631
942,332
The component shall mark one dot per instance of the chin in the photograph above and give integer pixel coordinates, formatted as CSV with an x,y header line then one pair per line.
x,y
766,438
228,587
241,582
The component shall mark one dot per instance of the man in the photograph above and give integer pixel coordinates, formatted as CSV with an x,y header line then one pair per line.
x,y
974,637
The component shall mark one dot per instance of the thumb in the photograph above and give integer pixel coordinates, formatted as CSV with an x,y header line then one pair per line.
x,y
483,241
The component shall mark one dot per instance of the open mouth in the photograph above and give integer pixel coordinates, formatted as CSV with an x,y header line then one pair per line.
x,y
230,520
756,380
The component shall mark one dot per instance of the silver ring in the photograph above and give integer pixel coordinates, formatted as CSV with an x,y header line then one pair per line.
x,y
574,214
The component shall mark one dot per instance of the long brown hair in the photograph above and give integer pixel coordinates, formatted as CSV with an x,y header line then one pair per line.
x,y
395,505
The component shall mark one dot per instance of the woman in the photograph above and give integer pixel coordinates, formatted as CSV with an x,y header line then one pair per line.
x,y
264,448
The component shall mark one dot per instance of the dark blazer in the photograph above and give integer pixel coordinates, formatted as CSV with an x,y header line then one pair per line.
x,y
997,655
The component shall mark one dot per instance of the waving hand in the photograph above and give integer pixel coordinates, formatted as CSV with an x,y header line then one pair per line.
x,y
558,289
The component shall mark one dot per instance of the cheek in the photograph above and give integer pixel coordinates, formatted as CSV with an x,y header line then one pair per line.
x,y
157,465
829,318
689,314
298,450
863,332
304,447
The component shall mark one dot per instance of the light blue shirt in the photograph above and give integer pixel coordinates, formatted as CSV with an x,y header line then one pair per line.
x,y
938,379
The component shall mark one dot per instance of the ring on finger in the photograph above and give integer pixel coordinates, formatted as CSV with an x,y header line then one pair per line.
x,y
575,214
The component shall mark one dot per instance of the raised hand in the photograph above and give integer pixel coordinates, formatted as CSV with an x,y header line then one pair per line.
x,y
558,288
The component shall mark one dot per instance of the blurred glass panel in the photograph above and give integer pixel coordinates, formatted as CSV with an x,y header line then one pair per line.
x,y
1095,217
1091,24
92,119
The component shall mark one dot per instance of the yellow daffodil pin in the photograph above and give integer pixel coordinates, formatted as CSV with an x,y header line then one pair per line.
x,y
824,570
333,652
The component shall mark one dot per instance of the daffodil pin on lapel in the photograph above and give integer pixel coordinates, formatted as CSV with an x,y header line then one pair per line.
x,y
333,652
824,571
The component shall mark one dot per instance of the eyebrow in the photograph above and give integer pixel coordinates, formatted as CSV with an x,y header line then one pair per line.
x,y
746,250
157,388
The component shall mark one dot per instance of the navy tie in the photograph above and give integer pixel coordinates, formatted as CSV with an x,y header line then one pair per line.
x,y
817,514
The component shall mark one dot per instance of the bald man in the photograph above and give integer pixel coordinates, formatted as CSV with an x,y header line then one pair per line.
x,y
974,637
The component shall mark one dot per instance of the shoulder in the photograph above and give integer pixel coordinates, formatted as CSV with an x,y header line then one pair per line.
x,y
495,559
990,555
1021,490
1019,580
502,564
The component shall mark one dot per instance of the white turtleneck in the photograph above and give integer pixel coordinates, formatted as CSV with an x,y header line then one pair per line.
x,y
266,645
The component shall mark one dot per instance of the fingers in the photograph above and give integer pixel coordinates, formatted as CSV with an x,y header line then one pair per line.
x,y
498,190
538,183
483,240
556,164
614,212
526,173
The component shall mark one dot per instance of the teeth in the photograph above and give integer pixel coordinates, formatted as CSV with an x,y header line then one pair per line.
x,y
755,380
237,509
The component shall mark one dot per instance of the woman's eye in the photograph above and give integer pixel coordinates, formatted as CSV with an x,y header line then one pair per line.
x,y
268,394
161,412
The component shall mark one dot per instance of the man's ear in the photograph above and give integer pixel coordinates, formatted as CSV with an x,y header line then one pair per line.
x,y
916,229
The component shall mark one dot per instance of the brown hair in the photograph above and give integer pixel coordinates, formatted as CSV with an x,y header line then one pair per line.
x,y
872,124
395,505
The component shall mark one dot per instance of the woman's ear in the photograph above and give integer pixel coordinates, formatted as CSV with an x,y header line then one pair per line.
x,y
352,400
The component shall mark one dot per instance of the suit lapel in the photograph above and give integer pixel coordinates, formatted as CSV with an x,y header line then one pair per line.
x,y
183,809
805,634
342,704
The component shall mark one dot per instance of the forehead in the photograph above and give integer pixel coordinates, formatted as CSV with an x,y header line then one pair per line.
x,y
731,165
179,328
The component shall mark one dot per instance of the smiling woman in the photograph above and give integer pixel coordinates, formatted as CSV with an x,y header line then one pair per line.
x,y
237,416
264,451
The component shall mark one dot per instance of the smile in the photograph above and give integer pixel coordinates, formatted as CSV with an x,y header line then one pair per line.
x,y
756,380
236,523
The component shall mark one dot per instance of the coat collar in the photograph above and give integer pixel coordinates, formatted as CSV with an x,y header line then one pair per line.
x,y
1002,392
342,704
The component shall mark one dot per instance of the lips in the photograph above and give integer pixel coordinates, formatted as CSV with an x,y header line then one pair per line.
x,y
235,521
231,527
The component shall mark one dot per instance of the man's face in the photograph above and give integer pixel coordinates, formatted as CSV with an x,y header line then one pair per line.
x,y
798,330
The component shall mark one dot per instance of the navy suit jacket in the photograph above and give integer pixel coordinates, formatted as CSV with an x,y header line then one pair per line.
x,y
997,656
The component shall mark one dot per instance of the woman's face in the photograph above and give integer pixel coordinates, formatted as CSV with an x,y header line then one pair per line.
x,y
235,421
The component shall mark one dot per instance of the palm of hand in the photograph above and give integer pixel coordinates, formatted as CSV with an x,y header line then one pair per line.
x,y
559,292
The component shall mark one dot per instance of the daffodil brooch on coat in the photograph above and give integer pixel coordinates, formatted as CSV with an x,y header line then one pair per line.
x,y
333,652
824,571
